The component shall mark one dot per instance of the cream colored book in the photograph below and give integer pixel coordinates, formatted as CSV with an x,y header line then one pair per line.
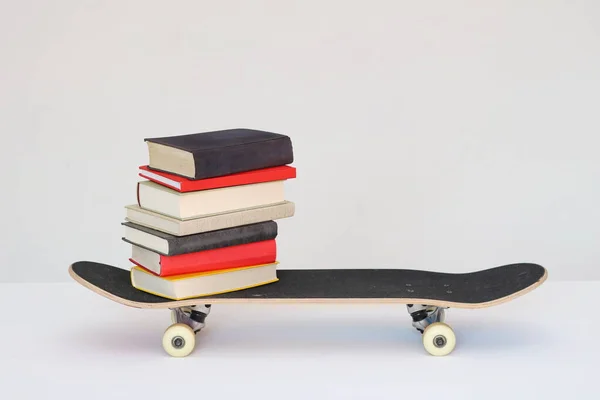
x,y
194,204
213,222
187,286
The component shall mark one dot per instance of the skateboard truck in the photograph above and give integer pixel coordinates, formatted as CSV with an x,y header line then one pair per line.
x,y
424,315
193,316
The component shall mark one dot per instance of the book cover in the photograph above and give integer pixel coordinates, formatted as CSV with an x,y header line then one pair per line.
x,y
204,283
170,245
184,185
218,153
242,255
163,200
177,227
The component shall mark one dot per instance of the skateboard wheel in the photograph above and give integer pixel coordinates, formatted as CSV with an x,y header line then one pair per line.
x,y
439,339
179,340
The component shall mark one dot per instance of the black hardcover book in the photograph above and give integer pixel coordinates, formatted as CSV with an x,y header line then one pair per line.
x,y
212,154
169,245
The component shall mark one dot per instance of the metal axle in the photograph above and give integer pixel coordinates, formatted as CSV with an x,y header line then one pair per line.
x,y
193,316
423,315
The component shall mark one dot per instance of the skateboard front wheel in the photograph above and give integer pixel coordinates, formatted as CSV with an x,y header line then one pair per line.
x,y
439,339
179,340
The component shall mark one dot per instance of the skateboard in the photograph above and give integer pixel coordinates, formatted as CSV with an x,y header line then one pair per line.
x,y
426,294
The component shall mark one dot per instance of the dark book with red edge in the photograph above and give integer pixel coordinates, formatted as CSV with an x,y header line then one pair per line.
x,y
182,184
243,255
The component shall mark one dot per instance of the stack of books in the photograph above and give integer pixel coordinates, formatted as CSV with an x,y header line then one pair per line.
x,y
204,222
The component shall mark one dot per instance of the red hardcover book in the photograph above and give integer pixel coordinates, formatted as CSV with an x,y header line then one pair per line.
x,y
242,255
182,184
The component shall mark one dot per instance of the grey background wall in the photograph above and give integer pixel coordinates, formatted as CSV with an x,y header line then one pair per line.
x,y
449,136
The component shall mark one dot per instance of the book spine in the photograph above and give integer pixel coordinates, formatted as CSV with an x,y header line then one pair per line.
x,y
137,193
243,255
223,238
253,156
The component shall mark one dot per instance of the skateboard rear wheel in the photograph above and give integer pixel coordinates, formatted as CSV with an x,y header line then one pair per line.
x,y
439,339
179,340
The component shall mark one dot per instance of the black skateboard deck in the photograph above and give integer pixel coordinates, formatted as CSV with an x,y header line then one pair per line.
x,y
464,290
426,295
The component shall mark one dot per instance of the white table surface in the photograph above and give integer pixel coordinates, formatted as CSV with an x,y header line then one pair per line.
x,y
64,341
